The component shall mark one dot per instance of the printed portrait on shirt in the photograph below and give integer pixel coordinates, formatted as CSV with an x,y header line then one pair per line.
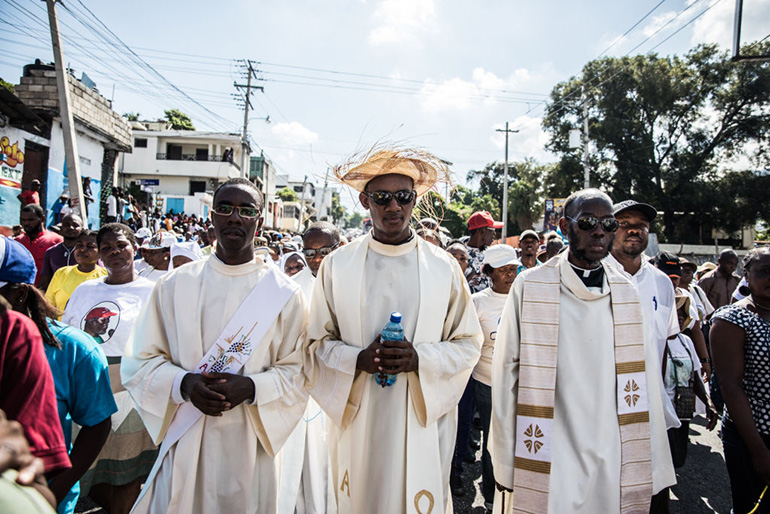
x,y
101,321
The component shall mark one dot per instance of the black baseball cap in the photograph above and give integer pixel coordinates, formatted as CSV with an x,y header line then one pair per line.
x,y
669,264
632,205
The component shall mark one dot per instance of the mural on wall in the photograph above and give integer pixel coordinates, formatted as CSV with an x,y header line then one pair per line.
x,y
58,183
11,170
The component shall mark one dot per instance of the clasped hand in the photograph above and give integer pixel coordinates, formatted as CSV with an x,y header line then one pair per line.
x,y
391,357
214,393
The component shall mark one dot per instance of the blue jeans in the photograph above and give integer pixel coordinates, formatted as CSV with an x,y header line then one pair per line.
x,y
484,406
464,419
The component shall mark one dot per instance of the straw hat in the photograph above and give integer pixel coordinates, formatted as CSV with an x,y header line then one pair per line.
x,y
423,168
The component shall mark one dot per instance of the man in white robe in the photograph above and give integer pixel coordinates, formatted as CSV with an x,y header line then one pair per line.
x,y
581,448
225,461
304,465
391,447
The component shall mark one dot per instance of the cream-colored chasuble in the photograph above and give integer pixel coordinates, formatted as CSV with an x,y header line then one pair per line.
x,y
391,448
570,430
221,464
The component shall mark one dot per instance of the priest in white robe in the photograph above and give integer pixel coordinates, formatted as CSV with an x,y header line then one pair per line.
x,y
391,447
577,419
224,460
303,463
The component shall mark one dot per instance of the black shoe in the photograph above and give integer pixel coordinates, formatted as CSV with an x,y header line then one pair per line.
x,y
456,485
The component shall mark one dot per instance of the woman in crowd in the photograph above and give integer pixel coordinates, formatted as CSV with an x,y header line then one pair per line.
x,y
293,263
460,252
740,343
68,278
430,236
106,308
156,252
183,253
500,265
80,376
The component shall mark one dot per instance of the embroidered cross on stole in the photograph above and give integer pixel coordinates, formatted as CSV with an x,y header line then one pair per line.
x,y
537,388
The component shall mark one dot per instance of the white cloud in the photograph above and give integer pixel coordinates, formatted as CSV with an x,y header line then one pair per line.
x,y
716,26
529,141
403,21
458,94
657,22
294,134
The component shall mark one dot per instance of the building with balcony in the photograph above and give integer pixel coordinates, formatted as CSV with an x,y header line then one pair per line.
x,y
180,169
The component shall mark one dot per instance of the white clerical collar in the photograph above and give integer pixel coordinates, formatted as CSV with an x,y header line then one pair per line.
x,y
237,269
392,250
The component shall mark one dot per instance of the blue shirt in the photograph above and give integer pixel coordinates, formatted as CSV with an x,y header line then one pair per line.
x,y
83,393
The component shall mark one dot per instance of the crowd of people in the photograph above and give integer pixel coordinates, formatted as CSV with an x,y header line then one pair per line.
x,y
179,364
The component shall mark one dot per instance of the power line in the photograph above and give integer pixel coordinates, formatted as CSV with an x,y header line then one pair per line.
x,y
632,28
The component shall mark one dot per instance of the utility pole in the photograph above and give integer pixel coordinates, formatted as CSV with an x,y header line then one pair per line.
x,y
246,104
302,206
505,181
72,159
586,149
323,194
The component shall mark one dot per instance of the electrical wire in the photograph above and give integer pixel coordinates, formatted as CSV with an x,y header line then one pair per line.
x,y
631,29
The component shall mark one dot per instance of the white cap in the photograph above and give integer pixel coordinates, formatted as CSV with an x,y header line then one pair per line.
x,y
500,255
143,232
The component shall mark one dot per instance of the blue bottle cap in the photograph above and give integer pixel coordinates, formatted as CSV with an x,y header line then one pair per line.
x,y
395,317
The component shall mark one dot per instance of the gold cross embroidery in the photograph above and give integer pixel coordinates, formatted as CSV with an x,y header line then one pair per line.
x,y
632,397
534,433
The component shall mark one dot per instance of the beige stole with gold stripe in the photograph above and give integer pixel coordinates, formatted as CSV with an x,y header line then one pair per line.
x,y
537,389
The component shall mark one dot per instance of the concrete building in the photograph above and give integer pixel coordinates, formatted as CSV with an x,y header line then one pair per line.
x,y
33,143
263,173
180,169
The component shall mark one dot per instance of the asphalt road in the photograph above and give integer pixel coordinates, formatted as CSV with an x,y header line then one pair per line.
x,y
702,483
703,486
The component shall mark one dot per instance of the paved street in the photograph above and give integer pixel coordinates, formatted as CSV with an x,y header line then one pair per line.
x,y
702,486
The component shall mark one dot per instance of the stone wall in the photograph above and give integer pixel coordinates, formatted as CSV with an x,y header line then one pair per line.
x,y
40,93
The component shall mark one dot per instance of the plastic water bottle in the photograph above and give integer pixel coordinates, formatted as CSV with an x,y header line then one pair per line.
x,y
393,331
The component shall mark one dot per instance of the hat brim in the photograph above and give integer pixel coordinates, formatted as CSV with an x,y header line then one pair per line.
x,y
500,264
648,210
423,175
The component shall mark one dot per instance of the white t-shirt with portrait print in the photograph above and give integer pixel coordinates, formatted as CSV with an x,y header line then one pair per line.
x,y
489,307
107,312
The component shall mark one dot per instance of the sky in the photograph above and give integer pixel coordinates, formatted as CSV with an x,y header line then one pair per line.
x,y
341,75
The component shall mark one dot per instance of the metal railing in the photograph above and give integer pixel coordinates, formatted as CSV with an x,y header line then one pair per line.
x,y
193,157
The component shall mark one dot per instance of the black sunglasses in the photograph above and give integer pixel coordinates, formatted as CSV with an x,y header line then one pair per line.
x,y
310,253
224,209
590,222
383,198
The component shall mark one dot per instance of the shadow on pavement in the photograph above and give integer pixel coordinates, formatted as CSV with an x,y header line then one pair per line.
x,y
702,483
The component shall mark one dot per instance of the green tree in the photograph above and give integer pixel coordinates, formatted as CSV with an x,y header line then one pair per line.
x,y
7,85
179,120
134,116
355,220
287,194
337,210
665,130
525,191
